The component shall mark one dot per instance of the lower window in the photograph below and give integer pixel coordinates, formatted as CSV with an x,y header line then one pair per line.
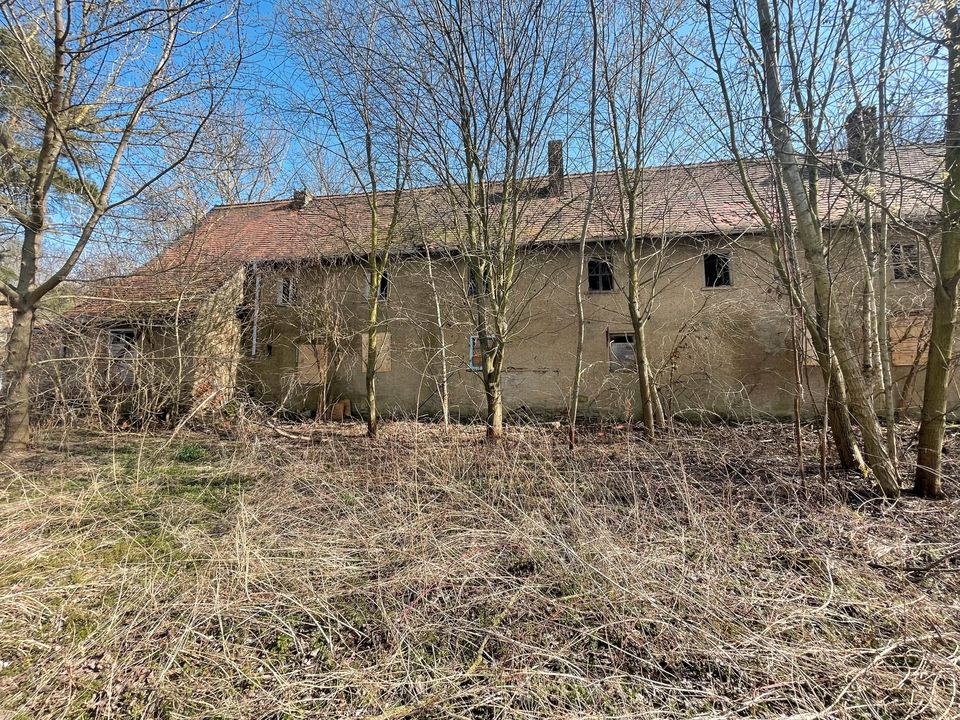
x,y
475,356
622,355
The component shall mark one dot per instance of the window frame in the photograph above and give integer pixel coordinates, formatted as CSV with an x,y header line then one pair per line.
x,y
130,347
897,264
604,264
613,365
286,290
728,266
471,353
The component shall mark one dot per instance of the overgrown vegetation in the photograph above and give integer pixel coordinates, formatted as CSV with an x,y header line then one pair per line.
x,y
429,575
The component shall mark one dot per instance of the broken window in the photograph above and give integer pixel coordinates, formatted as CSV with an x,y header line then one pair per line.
x,y
384,363
716,270
123,342
622,355
285,290
475,357
905,261
599,275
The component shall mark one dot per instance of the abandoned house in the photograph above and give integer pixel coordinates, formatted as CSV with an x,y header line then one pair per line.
x,y
269,299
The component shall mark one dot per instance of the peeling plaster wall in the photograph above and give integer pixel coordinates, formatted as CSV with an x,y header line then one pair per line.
x,y
716,351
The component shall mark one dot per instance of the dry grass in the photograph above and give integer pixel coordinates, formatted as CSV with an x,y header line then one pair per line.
x,y
430,576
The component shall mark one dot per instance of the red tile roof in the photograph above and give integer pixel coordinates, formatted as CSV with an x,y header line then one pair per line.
x,y
680,200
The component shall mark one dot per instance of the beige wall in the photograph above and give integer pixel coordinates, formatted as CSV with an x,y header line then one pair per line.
x,y
715,350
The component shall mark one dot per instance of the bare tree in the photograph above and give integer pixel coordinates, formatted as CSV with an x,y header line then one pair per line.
x,y
495,79
103,88
928,480
644,99
592,102
795,93
359,98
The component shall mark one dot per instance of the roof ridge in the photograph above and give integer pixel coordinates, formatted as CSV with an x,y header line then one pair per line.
x,y
581,174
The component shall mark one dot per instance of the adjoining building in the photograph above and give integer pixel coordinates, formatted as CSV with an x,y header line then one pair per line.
x,y
270,298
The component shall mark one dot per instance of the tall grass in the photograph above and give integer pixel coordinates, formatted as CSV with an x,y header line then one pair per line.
x,y
432,576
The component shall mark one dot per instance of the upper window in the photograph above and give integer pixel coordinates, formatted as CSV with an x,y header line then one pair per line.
x,y
473,282
123,342
383,292
905,261
716,270
599,275
622,355
285,290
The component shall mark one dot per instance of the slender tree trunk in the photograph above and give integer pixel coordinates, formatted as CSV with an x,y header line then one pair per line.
x,y
371,384
443,387
16,378
841,427
648,402
578,358
582,250
493,362
933,415
645,389
883,330
810,235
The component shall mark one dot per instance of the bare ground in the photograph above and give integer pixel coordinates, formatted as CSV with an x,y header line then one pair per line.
x,y
429,575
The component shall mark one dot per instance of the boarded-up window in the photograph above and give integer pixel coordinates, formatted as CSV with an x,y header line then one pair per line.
x,y
311,363
622,355
906,336
384,363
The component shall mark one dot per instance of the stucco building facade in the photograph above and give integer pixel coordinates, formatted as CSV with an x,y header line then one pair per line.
x,y
270,300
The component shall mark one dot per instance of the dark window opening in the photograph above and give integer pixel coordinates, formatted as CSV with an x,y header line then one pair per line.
x,y
384,290
905,260
599,275
285,291
622,355
123,342
473,283
716,270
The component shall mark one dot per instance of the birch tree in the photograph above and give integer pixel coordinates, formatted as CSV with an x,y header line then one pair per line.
x,y
102,89
928,481
791,51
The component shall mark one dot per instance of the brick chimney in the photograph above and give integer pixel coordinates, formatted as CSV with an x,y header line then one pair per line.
x,y
301,198
555,166
861,127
